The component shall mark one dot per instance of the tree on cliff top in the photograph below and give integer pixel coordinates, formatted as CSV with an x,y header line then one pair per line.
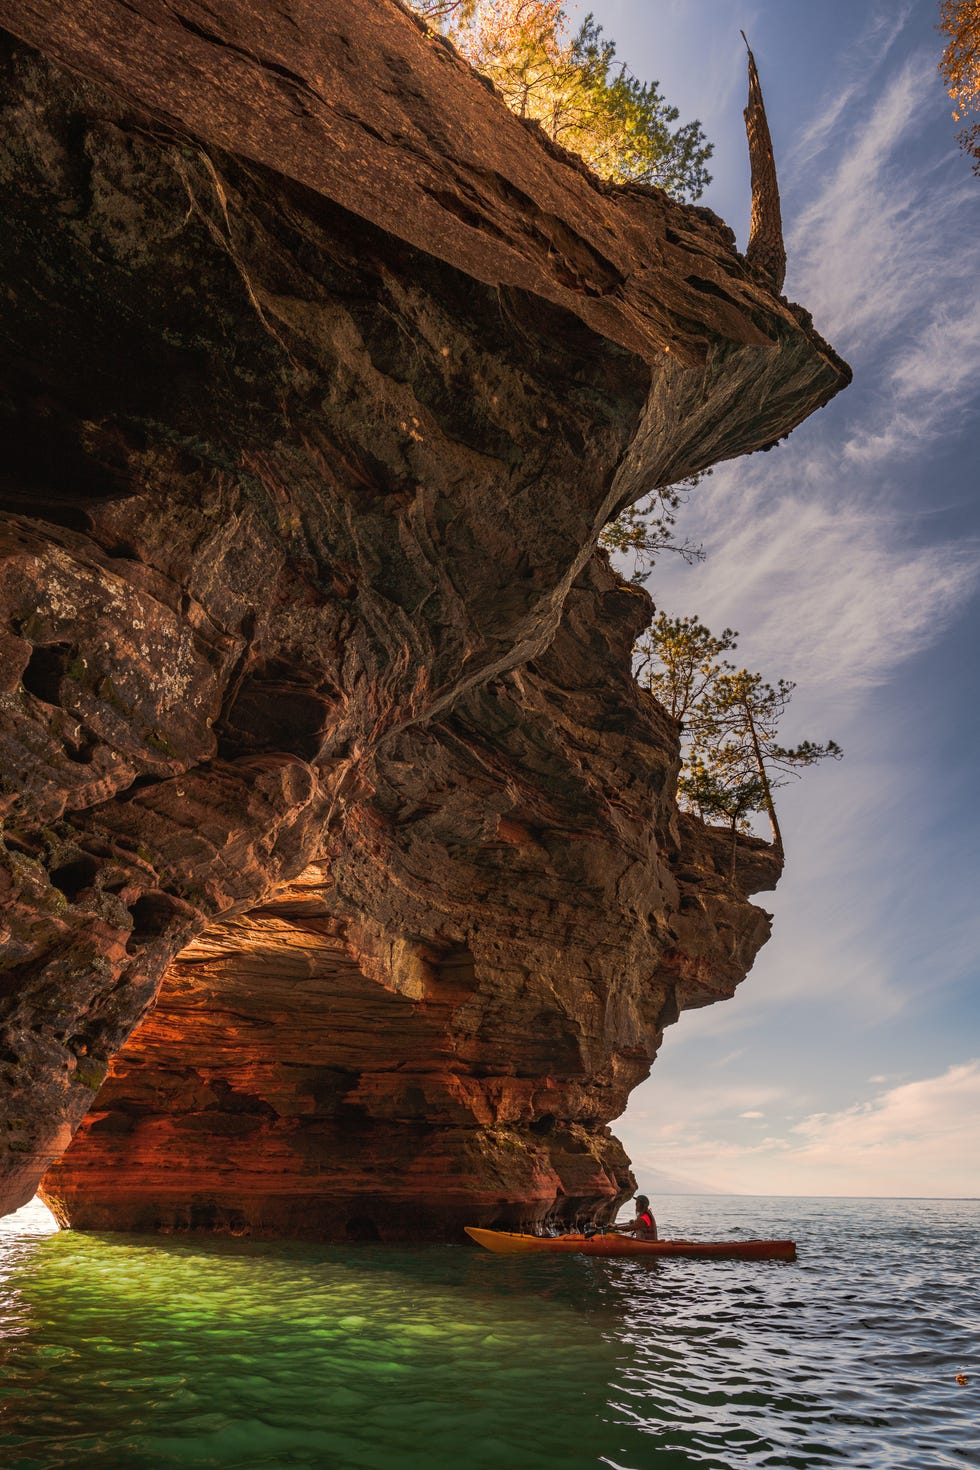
x,y
726,787
681,659
740,714
733,760
575,88
960,67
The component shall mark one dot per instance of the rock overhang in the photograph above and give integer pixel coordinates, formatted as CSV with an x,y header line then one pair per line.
x,y
399,360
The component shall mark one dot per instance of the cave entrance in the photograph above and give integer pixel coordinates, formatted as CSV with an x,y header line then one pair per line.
x,y
276,1088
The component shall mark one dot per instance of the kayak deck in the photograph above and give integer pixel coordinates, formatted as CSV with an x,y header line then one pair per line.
x,y
507,1243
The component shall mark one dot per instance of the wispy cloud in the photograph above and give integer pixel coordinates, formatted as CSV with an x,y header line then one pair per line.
x,y
860,243
826,592
918,1138
880,255
697,1099
943,362
822,552
859,65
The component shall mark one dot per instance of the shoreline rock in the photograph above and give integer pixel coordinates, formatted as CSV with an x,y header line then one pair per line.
x,y
299,574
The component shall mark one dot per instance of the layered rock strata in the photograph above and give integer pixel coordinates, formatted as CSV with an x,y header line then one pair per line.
x,y
319,381
435,1024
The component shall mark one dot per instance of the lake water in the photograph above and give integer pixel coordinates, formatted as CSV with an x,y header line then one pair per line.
x,y
139,1354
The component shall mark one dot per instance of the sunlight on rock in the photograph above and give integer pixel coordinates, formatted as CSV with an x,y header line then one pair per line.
x,y
546,416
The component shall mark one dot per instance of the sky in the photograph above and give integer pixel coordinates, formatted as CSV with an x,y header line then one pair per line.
x,y
848,1063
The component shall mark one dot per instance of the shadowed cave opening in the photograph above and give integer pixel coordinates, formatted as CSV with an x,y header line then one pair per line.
x,y
277,1089
57,459
47,666
151,914
74,877
274,713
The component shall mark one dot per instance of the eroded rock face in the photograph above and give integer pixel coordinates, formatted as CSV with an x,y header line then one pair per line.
x,y
433,1026
306,675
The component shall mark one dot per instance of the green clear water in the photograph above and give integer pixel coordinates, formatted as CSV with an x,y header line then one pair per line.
x,y
135,1353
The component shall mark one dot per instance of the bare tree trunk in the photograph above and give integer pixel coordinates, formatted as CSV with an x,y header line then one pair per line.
x,y
765,249
777,836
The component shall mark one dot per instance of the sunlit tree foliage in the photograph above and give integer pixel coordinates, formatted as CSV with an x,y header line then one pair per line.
x,y
960,67
442,12
572,84
680,659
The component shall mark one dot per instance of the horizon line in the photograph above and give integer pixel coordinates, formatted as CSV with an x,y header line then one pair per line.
x,y
732,1194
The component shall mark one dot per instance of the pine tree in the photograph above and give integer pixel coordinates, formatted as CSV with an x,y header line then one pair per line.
x,y
680,659
741,714
575,88
733,759
725,787
645,530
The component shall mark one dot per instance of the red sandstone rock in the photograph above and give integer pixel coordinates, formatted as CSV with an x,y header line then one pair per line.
x,y
435,1025
320,381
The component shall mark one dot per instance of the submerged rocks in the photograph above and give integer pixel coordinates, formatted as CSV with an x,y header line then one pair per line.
x,y
315,700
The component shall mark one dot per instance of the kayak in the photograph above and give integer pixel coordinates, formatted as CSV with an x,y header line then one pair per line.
x,y
506,1243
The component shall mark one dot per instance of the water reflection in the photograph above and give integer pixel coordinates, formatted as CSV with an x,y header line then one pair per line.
x,y
33,1218
20,1234
233,1353
141,1353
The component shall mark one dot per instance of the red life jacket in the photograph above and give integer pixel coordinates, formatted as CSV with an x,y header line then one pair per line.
x,y
647,1219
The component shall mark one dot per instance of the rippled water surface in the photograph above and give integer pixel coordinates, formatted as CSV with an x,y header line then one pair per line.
x,y
136,1354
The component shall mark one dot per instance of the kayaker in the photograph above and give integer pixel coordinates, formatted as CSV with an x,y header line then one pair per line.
x,y
644,1226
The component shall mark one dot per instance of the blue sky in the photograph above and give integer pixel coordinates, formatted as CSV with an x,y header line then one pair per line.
x,y
849,559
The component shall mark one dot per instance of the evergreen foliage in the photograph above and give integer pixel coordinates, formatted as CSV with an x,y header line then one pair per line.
x,y
575,88
646,529
680,659
733,758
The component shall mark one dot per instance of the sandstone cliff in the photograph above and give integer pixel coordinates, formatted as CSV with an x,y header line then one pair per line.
x,y
321,375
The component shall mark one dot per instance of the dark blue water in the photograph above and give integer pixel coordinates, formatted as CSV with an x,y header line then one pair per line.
x,y
135,1354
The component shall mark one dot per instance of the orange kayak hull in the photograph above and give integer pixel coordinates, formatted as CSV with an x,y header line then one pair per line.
x,y
507,1243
